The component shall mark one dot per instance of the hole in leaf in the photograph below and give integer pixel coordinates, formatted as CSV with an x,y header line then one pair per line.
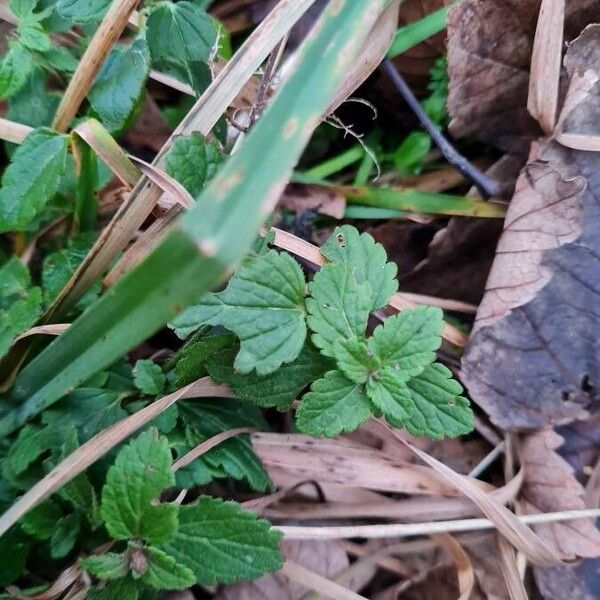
x,y
586,384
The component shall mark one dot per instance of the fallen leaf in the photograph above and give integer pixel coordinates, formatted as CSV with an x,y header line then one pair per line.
x,y
575,583
549,485
484,557
534,353
489,76
327,559
300,198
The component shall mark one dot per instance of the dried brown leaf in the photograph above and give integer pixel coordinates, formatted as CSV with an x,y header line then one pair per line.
x,y
549,486
534,353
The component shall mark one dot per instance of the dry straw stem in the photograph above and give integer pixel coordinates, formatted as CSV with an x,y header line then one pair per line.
x,y
106,35
544,79
411,529
310,580
510,570
100,444
55,329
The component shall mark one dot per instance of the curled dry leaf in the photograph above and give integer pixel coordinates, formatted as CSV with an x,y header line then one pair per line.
x,y
323,558
550,486
489,76
534,353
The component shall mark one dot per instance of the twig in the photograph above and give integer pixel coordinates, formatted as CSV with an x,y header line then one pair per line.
x,y
410,529
486,186
106,35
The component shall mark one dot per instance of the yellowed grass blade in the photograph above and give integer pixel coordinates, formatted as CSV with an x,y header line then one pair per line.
x,y
544,78
105,146
106,35
312,581
579,141
165,182
209,444
55,329
508,524
464,568
370,57
100,444
13,132
510,570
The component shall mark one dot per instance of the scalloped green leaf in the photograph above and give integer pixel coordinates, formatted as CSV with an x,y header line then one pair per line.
x,y
142,470
32,178
390,395
338,307
164,572
335,404
408,341
278,389
120,84
193,162
264,306
367,259
354,358
440,409
222,543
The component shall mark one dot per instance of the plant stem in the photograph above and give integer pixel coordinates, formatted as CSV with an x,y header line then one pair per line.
x,y
106,35
486,186
335,164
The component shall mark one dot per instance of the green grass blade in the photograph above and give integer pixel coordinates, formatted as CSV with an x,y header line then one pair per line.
x,y
413,200
213,237
410,35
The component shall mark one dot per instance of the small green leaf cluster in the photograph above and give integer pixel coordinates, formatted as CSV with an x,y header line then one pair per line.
x,y
165,546
178,38
290,335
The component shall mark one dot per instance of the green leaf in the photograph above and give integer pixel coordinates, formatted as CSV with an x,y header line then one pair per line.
x,y
367,259
91,410
82,11
120,84
408,341
14,549
194,73
40,522
334,405
20,304
196,353
148,377
22,8
15,68
355,360
389,393
34,37
278,389
65,535
264,306
106,566
181,32
33,105
61,59
233,458
27,448
221,543
32,178
164,572
120,589
193,162
59,266
142,470
441,411
338,307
